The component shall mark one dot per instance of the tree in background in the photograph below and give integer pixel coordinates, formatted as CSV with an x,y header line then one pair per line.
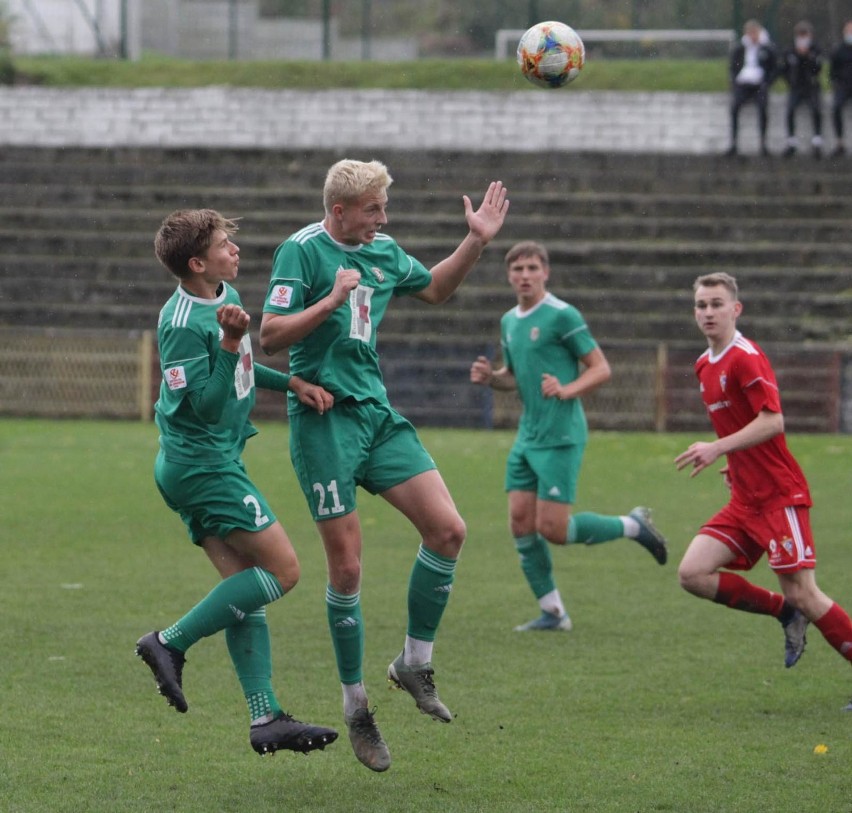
x,y
7,69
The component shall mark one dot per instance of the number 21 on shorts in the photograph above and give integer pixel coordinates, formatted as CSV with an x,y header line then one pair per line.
x,y
323,493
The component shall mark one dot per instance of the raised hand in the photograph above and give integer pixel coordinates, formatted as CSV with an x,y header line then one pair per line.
x,y
488,219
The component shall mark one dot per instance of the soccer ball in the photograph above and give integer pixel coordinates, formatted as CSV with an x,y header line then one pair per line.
x,y
551,54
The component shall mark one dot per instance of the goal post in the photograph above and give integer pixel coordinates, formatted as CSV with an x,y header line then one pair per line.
x,y
506,39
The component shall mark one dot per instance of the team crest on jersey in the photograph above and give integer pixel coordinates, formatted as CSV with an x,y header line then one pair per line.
x,y
377,273
175,378
723,381
787,544
773,546
534,334
281,296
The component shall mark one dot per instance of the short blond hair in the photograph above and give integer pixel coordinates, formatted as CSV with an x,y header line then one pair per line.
x,y
348,180
718,278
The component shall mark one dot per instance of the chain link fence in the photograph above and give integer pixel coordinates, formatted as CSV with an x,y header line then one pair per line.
x,y
59,373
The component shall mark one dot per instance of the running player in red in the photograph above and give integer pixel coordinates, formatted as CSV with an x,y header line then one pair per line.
x,y
769,507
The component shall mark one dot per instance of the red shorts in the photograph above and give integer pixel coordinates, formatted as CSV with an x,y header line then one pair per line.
x,y
784,534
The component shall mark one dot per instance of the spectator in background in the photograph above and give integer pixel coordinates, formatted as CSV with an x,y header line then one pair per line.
x,y
801,68
753,67
840,73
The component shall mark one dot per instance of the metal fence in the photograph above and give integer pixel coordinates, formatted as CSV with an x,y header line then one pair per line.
x,y
63,373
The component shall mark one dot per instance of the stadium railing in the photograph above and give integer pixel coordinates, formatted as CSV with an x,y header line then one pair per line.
x,y
58,373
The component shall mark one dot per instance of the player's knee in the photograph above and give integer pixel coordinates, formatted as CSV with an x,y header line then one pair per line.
x,y
554,532
288,577
801,596
345,577
448,540
690,579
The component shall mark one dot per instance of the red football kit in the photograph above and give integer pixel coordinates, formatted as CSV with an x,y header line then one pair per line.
x,y
769,493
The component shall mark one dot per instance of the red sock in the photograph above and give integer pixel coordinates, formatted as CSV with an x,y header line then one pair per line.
x,y
735,592
836,628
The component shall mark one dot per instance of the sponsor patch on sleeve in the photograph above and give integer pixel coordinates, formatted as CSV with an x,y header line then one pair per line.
x,y
281,296
176,378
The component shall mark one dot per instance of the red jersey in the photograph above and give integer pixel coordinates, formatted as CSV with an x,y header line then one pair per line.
x,y
735,386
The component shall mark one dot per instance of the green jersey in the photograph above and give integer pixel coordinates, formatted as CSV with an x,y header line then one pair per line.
x,y
551,338
340,354
189,342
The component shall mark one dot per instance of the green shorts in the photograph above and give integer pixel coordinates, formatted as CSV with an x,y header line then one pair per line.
x,y
212,502
551,472
353,444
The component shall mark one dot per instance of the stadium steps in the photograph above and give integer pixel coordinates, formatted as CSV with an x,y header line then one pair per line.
x,y
627,235
567,220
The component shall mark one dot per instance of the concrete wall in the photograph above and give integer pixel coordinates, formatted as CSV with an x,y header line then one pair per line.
x,y
520,121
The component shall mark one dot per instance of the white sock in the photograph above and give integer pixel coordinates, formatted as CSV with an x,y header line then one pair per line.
x,y
416,651
354,697
552,603
631,527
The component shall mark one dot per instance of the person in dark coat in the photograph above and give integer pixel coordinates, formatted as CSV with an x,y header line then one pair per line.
x,y
753,67
840,73
801,67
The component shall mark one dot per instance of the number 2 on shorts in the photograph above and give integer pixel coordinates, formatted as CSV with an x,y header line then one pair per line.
x,y
259,517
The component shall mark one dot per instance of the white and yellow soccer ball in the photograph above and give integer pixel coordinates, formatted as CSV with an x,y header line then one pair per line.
x,y
551,54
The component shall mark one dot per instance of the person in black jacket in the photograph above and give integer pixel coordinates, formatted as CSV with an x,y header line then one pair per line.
x,y
801,67
840,73
753,67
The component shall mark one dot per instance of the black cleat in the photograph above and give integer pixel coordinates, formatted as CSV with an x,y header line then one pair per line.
x,y
649,537
794,639
285,733
167,666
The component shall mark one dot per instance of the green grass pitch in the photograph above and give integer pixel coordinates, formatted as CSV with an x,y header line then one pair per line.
x,y
655,702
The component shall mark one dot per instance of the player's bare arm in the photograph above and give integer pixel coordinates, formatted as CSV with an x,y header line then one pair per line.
x,y
311,395
700,455
483,225
482,372
280,331
234,322
596,372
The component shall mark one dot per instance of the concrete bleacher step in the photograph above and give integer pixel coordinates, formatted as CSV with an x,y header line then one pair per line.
x,y
627,235
136,226
462,171
665,250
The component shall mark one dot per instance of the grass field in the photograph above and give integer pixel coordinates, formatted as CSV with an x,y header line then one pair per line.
x,y
422,74
655,702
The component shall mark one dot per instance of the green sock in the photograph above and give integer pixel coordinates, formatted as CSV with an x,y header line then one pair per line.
x,y
251,652
229,602
347,633
588,528
536,563
428,592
